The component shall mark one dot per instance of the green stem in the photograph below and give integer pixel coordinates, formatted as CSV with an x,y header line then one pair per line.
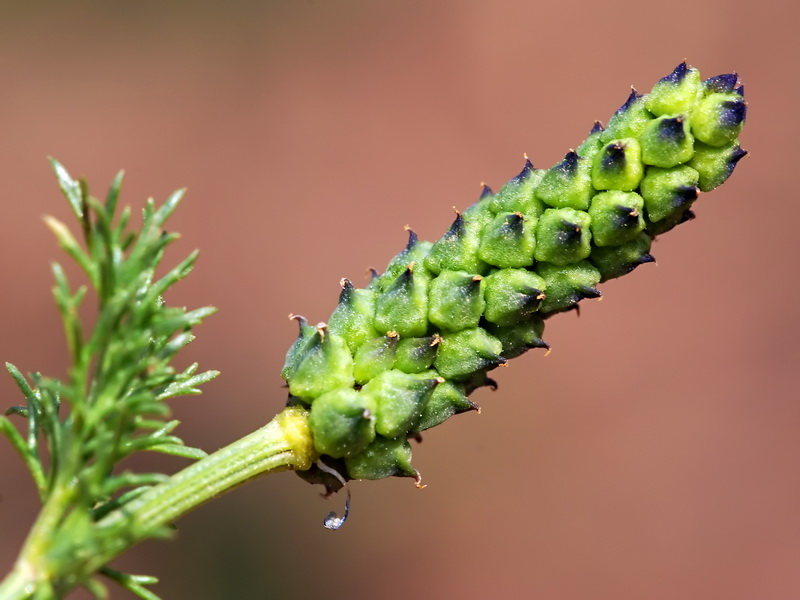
x,y
284,443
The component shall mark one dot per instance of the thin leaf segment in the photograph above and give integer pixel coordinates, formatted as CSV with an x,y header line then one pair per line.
x,y
113,403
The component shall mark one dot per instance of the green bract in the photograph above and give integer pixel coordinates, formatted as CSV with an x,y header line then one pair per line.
x,y
404,354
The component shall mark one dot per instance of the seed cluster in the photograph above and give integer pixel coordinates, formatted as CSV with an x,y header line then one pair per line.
x,y
403,354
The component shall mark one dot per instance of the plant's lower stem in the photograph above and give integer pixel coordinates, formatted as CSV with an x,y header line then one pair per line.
x,y
284,443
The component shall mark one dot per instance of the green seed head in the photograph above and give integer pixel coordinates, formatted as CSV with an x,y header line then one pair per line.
x,y
415,355
618,166
383,458
456,300
354,316
564,236
669,192
405,353
399,399
666,142
343,422
403,307
513,295
374,357
519,337
508,240
324,364
298,348
593,142
630,119
718,118
457,250
616,217
715,165
615,261
414,252
568,184
464,353
446,400
518,194
567,285
675,93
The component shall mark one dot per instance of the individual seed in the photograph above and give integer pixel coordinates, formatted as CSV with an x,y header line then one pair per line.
x,y
564,236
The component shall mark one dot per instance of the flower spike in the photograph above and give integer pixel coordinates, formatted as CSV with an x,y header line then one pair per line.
x,y
404,354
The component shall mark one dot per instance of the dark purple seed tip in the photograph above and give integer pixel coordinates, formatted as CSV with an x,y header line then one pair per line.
x,y
677,75
586,291
737,155
733,113
672,129
684,194
457,228
486,191
687,216
597,127
740,91
406,278
527,169
625,217
301,320
533,293
646,258
722,84
633,97
515,221
570,231
412,238
570,162
614,158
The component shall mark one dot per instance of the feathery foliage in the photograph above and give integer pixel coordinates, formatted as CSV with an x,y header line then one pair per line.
x,y
113,401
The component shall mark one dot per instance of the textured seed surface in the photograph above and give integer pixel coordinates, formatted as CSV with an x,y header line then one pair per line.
x,y
404,353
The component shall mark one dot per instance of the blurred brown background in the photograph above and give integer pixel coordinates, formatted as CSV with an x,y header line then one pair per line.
x,y
653,455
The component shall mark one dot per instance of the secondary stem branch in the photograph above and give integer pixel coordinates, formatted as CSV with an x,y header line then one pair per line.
x,y
284,443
